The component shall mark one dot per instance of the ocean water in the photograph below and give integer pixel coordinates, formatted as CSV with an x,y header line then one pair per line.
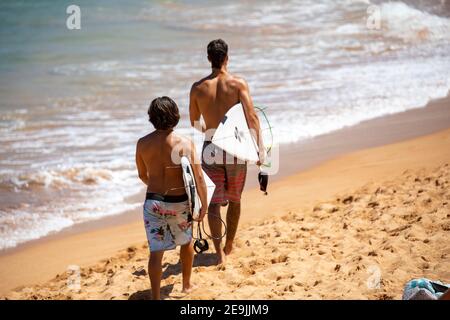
x,y
73,102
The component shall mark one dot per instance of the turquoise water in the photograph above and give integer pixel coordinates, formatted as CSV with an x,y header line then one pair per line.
x,y
73,102
37,42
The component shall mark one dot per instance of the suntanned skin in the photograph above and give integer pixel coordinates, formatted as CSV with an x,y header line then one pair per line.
x,y
157,170
211,98
214,95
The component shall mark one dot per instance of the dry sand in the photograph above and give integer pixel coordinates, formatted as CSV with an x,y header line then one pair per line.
x,y
358,226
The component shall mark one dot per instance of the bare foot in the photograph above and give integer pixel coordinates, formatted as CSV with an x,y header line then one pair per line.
x,y
220,257
189,288
221,267
228,248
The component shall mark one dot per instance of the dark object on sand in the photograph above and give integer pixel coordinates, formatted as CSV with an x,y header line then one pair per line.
x,y
200,244
263,179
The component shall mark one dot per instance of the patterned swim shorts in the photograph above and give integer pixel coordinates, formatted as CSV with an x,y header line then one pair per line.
x,y
167,224
227,172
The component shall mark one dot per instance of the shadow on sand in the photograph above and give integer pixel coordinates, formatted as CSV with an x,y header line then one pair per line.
x,y
147,294
200,260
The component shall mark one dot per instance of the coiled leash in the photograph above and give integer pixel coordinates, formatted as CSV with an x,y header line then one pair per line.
x,y
200,244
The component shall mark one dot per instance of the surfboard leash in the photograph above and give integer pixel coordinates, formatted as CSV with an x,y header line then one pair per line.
x,y
201,226
201,245
261,109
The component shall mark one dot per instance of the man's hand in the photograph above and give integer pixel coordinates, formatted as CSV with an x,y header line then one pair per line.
x,y
261,156
202,215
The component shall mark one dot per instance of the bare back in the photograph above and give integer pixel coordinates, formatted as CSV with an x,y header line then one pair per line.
x,y
215,95
154,156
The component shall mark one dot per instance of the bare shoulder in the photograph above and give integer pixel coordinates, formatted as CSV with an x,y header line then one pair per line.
x,y
238,82
194,88
145,140
183,140
199,86
183,144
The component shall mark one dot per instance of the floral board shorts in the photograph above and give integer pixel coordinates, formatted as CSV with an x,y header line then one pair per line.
x,y
168,223
227,172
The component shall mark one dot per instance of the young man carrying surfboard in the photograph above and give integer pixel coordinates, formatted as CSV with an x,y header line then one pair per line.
x,y
212,97
167,209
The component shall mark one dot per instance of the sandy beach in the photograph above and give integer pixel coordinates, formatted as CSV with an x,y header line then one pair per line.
x,y
347,225
354,95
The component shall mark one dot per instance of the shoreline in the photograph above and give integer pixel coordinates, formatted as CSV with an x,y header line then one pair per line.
x,y
314,154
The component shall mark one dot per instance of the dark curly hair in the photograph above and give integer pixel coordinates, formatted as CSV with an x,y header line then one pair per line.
x,y
217,52
163,113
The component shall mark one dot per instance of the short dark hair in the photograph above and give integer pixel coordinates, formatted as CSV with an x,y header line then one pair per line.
x,y
217,52
163,113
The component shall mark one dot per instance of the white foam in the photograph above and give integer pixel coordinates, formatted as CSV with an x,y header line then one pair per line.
x,y
21,226
33,226
412,25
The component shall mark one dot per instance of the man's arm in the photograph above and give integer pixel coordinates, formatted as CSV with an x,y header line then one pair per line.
x,y
142,169
251,116
194,112
199,181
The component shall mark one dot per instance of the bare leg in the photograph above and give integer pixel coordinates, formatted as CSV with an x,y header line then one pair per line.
x,y
187,259
155,272
233,215
215,225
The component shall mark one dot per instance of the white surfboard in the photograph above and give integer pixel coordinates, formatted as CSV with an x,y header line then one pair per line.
x,y
233,135
191,188
210,187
